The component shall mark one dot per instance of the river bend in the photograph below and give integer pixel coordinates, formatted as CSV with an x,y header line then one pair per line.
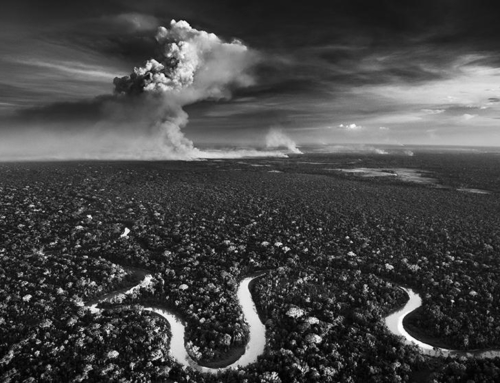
x,y
257,330
395,324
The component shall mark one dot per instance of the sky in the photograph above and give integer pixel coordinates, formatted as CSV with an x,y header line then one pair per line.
x,y
328,72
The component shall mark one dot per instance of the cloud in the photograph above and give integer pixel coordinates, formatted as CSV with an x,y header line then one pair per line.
x,y
350,127
90,111
193,64
122,23
132,22
464,87
467,116
72,68
433,111
127,36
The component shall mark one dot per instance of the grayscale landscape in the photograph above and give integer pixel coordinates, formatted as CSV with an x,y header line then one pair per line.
x,y
266,192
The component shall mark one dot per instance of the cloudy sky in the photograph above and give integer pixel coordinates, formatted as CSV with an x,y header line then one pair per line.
x,y
333,72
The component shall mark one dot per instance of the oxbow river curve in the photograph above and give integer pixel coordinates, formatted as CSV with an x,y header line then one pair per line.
x,y
395,324
257,335
257,330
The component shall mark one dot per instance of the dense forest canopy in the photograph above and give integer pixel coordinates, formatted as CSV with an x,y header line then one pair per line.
x,y
334,246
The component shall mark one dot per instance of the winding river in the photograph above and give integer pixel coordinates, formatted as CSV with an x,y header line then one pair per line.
x,y
395,324
257,335
257,330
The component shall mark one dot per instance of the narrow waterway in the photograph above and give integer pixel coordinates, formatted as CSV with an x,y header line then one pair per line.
x,y
257,330
395,324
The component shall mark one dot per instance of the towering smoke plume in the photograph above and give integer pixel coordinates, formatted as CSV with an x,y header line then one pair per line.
x,y
276,138
144,117
191,66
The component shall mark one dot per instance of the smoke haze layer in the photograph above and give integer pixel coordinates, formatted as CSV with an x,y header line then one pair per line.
x,y
276,138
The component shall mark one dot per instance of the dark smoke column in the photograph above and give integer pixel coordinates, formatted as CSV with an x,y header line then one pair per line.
x,y
192,66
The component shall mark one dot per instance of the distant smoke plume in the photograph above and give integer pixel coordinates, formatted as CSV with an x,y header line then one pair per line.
x,y
191,66
276,138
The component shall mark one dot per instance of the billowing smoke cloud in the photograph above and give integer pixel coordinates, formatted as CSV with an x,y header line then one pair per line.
x,y
276,138
191,66
144,117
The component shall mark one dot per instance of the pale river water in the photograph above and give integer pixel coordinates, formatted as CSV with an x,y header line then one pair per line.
x,y
257,330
